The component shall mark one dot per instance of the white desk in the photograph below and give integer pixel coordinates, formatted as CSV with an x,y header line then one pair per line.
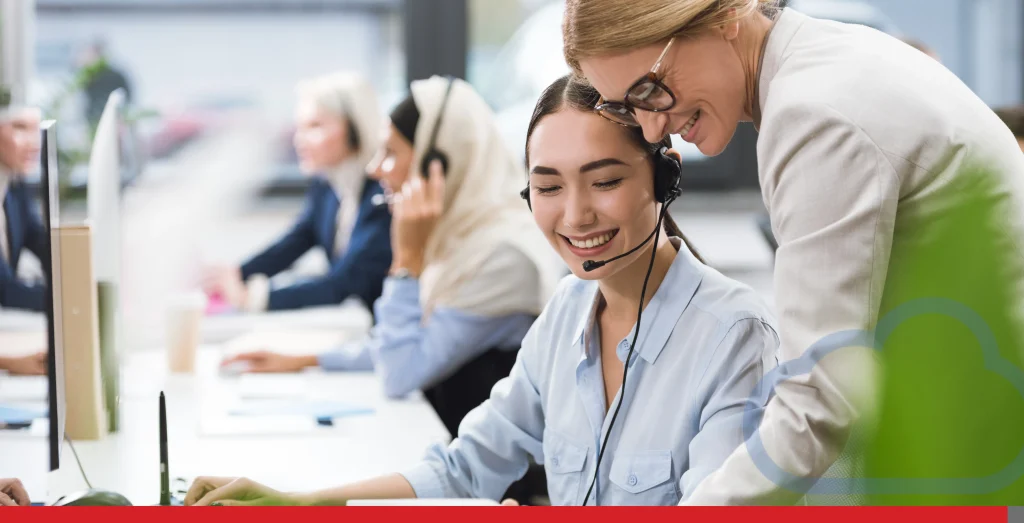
x,y
389,440
351,319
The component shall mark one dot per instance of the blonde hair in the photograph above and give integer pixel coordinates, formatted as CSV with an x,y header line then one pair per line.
x,y
349,96
600,27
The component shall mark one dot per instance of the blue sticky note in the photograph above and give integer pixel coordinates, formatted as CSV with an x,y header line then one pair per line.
x,y
11,415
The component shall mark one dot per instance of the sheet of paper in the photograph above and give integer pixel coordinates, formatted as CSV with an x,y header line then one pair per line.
x,y
313,409
271,386
23,388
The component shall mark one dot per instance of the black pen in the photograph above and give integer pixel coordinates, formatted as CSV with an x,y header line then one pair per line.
x,y
15,425
165,483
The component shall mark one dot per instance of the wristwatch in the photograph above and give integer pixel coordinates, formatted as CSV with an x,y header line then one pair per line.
x,y
402,273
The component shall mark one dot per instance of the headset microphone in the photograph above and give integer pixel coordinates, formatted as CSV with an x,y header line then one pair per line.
x,y
591,265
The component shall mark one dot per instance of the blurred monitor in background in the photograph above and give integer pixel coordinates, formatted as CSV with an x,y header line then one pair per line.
x,y
1013,117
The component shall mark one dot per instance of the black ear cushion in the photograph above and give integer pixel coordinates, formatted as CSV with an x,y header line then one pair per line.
x,y
525,194
429,158
667,176
353,135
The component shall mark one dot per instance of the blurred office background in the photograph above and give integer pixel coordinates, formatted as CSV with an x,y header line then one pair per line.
x,y
191,67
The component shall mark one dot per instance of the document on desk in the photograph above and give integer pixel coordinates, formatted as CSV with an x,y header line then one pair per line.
x,y
314,409
23,388
263,386
275,417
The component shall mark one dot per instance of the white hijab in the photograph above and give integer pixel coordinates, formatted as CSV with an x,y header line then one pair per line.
x,y
347,95
482,207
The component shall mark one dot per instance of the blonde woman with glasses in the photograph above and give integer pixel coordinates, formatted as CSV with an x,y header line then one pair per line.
x,y
860,136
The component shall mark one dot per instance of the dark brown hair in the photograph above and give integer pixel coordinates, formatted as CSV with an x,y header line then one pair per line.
x,y
1013,117
575,94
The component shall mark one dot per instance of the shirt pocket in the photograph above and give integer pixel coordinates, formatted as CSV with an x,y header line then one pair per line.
x,y
643,478
563,466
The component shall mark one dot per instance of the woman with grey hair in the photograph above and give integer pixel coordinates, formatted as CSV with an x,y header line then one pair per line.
x,y
336,136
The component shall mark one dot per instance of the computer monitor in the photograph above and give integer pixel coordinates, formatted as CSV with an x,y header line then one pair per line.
x,y
104,199
104,190
49,189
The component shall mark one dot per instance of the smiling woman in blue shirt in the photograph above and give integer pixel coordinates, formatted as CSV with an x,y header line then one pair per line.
x,y
703,344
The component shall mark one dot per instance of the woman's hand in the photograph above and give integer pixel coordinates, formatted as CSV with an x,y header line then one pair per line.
x,y
13,493
226,282
266,361
236,492
415,212
31,365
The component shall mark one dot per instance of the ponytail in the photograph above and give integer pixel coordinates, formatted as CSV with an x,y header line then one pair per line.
x,y
673,230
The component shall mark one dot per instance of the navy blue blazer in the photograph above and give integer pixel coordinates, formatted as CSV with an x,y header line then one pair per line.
x,y
24,230
359,271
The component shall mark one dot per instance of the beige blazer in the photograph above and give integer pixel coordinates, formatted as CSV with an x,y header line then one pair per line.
x,y
859,135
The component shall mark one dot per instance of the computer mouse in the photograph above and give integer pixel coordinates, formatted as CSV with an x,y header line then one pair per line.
x,y
93,498
236,368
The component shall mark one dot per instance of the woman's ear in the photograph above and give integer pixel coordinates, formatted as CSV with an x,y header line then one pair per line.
x,y
732,29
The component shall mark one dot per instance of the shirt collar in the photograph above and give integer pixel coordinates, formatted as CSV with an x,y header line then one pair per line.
x,y
776,42
5,183
661,314
347,180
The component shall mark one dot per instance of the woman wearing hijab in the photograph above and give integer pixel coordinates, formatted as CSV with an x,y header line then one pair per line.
x,y
470,272
863,144
336,135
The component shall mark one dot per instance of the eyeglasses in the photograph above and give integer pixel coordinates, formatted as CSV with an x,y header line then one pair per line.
x,y
647,94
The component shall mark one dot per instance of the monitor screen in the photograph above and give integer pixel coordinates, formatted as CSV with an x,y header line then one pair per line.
x,y
51,268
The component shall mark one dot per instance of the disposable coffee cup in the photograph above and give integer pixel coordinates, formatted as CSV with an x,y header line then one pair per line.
x,y
184,326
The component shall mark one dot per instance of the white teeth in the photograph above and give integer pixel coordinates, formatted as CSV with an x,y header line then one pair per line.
x,y
592,242
689,125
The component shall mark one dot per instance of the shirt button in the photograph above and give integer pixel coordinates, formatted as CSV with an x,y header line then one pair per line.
x,y
632,480
554,461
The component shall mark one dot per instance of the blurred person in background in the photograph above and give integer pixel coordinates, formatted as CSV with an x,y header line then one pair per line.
x,y
470,272
20,224
103,79
1013,117
336,136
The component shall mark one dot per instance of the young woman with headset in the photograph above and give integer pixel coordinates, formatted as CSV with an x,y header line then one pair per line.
x,y
470,272
336,134
609,432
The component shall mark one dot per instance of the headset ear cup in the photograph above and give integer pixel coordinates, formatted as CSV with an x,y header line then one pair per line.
x,y
353,135
668,175
429,158
525,194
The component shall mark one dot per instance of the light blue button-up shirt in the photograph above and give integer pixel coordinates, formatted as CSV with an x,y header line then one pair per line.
x,y
705,342
410,354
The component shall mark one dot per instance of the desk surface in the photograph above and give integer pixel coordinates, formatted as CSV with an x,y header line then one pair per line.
x,y
357,447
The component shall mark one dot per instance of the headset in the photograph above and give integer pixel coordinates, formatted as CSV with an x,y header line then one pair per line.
x,y
667,187
433,153
667,181
353,134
